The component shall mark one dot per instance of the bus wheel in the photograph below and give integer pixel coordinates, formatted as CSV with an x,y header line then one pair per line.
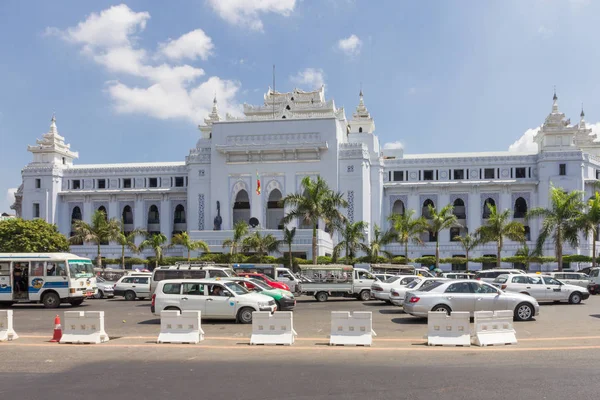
x,y
76,303
51,300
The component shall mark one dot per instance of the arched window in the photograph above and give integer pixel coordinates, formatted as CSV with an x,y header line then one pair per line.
x,y
520,208
489,202
241,207
127,215
398,207
153,215
102,209
425,209
274,210
75,215
459,209
360,129
179,217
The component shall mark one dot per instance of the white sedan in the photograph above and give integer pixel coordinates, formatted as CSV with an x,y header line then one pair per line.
x,y
542,288
381,290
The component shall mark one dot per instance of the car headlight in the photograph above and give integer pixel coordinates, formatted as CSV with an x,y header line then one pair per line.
x,y
263,304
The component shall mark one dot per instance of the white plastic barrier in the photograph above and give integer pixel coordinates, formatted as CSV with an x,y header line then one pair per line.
x,y
6,326
275,328
493,328
354,329
84,327
182,327
448,330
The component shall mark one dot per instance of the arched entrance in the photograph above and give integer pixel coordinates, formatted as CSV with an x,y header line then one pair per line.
x,y
241,207
274,210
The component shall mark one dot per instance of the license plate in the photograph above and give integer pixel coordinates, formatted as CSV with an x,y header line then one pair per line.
x,y
90,293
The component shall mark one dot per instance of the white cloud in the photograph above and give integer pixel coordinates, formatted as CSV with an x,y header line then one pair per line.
x,y
393,146
350,45
172,91
10,196
192,45
314,78
246,12
525,143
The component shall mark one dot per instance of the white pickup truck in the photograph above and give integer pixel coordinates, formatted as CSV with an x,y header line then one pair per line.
x,y
323,281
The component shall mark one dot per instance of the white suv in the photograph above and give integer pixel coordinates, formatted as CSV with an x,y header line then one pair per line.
x,y
213,298
133,287
542,288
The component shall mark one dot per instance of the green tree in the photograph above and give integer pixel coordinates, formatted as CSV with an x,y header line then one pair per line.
x,y
589,221
380,239
288,239
528,255
406,229
317,202
183,239
262,245
156,242
498,227
439,221
100,231
468,242
561,221
352,238
240,229
127,240
36,236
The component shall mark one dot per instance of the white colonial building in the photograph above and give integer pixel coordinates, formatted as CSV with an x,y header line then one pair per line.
x,y
291,136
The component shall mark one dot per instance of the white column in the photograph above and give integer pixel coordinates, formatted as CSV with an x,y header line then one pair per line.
x,y
87,211
443,201
166,219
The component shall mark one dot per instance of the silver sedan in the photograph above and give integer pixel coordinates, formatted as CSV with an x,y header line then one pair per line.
x,y
471,296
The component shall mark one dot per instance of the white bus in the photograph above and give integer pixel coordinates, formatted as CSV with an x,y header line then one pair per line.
x,y
48,278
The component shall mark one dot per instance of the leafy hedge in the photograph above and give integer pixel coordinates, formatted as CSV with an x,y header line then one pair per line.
x,y
128,261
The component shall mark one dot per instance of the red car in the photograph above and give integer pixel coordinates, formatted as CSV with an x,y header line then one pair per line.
x,y
265,279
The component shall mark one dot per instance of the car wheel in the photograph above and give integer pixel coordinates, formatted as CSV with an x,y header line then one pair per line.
x,y
130,296
322,296
245,315
51,300
365,295
442,308
99,295
524,312
575,298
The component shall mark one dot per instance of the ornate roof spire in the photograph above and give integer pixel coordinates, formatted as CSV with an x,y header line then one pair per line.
x,y
554,102
53,128
582,113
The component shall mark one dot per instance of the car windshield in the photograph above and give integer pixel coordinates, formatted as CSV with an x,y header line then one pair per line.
x,y
392,279
99,279
81,269
501,279
235,288
430,285
413,284
551,281
260,284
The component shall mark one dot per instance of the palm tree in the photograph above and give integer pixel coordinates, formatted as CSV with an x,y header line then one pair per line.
x,y
380,239
240,229
406,229
561,221
288,238
184,240
437,222
352,237
100,231
497,227
528,255
262,245
156,242
589,221
317,202
468,242
127,240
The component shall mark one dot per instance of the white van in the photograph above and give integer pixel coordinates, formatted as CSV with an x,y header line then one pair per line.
x,y
183,271
214,298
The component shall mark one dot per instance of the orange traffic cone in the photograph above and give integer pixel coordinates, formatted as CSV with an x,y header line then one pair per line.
x,y
57,330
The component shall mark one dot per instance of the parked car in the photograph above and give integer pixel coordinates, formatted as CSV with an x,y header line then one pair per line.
x,y
105,288
458,275
262,277
283,299
489,275
397,295
571,278
133,287
214,299
381,290
187,271
469,296
542,287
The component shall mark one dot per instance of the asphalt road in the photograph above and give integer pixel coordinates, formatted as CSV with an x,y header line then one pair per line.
x,y
97,372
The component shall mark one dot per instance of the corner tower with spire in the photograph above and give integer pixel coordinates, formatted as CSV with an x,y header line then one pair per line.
x,y
361,121
52,149
557,133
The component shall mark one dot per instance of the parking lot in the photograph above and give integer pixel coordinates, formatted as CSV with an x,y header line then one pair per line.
x,y
557,325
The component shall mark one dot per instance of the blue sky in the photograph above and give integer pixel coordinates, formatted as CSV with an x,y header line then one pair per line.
x,y
130,81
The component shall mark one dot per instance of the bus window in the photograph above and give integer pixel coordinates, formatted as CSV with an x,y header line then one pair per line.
x,y
37,268
4,269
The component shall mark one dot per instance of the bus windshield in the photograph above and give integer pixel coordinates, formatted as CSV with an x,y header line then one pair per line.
x,y
81,269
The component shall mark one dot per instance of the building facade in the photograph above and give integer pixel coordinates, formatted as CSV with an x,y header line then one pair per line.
x,y
298,134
